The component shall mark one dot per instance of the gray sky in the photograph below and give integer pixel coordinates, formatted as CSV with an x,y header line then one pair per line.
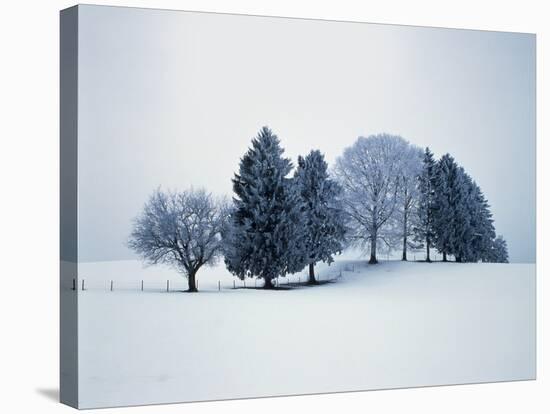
x,y
173,99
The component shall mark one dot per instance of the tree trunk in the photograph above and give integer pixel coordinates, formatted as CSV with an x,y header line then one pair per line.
x,y
428,250
312,280
372,259
192,282
268,283
404,257
458,259
444,256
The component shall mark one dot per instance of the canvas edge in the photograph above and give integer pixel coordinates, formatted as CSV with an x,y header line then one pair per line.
x,y
68,224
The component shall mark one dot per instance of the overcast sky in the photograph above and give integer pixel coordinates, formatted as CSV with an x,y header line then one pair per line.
x,y
173,98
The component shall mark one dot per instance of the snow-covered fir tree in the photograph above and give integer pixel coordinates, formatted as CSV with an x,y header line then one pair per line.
x,y
481,241
451,197
464,226
323,219
265,238
427,205
498,252
463,223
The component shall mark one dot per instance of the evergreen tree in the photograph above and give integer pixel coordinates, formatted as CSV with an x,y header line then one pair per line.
x,y
498,252
463,224
484,234
427,203
323,219
472,225
265,236
445,174
463,228
451,221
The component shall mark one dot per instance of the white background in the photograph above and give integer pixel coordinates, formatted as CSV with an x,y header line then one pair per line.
x,y
29,169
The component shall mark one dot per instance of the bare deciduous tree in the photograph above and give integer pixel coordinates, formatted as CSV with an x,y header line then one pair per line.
x,y
370,172
408,196
181,229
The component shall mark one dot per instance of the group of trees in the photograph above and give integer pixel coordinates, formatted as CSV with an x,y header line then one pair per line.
x,y
398,195
281,224
454,215
381,190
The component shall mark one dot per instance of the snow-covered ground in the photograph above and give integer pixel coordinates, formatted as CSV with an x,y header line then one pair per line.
x,y
385,326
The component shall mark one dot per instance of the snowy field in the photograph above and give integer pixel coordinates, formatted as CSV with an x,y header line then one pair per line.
x,y
385,326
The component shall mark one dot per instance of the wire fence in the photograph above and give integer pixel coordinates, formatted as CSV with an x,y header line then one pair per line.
x,y
169,285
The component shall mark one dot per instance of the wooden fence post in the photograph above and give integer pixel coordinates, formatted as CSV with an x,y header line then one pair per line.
x,y
74,284
111,285
83,288
168,285
219,286
234,284
142,285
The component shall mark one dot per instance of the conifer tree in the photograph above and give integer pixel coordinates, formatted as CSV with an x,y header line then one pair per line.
x,y
451,216
265,235
463,225
498,252
427,203
483,236
323,219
